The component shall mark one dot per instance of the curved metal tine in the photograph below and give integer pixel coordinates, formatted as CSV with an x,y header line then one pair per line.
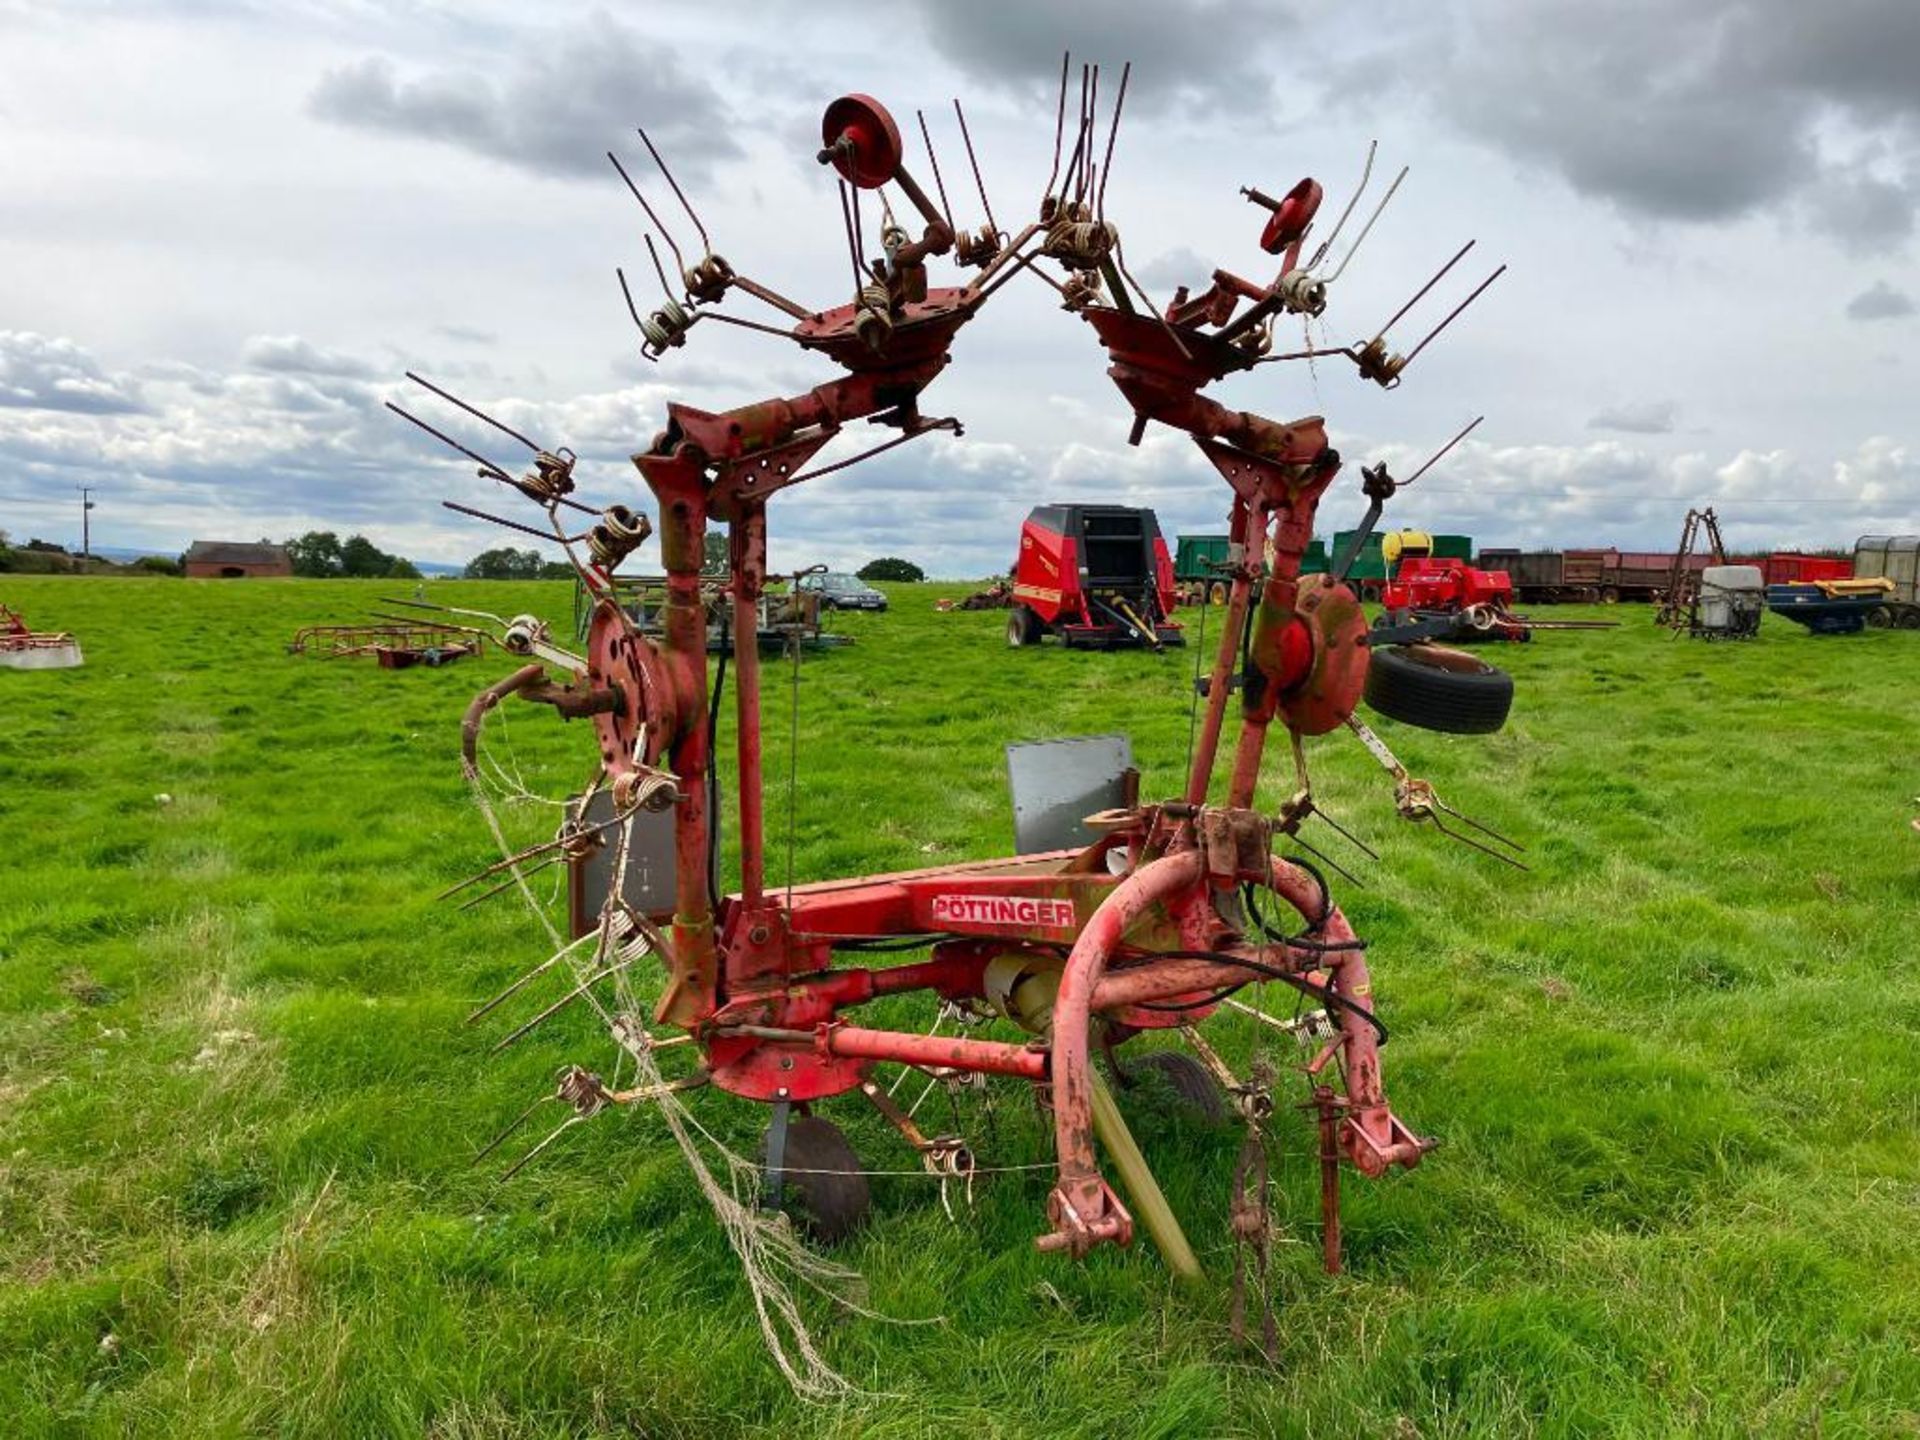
x,y
442,625
487,467
1085,182
528,1158
743,324
980,185
1421,293
1348,835
1366,175
1438,455
561,1004
634,311
510,882
667,234
441,609
1331,863
1314,354
1483,829
850,221
1113,132
538,848
503,522
1080,137
659,270
1452,315
685,204
934,161
1468,840
1059,124
527,979
519,1120
474,410
1367,229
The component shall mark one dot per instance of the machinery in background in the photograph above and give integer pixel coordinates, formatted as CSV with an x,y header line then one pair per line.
x,y
1449,599
1098,576
1680,598
24,649
1727,604
1844,607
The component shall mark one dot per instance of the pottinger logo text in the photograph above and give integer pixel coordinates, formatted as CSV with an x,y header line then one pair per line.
x,y
1003,910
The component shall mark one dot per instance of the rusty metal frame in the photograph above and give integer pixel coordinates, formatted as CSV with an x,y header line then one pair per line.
x,y
1143,915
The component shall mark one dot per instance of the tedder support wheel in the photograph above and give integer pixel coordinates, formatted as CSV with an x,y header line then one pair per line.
x,y
1609,595
821,1182
1217,595
1880,617
1438,688
1186,1077
1023,627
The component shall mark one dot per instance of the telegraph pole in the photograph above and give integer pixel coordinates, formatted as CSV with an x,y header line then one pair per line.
x,y
86,528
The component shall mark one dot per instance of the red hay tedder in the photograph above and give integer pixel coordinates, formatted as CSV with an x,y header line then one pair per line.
x,y
1151,927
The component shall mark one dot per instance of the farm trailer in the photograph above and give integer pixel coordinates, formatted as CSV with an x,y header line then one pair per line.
x,y
1200,565
1586,576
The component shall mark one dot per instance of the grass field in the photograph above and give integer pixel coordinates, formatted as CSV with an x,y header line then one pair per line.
x,y
1674,1066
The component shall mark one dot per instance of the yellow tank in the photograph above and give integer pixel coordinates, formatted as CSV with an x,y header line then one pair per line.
x,y
1396,543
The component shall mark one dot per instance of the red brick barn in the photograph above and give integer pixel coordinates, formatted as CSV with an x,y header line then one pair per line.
x,y
234,560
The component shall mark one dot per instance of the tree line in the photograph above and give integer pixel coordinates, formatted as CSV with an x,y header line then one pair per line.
x,y
323,555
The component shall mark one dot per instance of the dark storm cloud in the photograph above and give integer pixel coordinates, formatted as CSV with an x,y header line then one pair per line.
x,y
1880,301
40,372
1703,112
1646,417
559,105
1201,50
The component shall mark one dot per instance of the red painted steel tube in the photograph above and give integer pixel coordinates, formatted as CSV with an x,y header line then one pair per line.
x,y
1220,682
748,543
1165,979
1372,1137
1085,1212
679,483
994,1056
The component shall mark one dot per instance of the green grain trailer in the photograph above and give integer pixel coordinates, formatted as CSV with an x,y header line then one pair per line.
x,y
1197,556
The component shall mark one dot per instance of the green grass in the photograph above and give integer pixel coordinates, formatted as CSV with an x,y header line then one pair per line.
x,y
1673,1065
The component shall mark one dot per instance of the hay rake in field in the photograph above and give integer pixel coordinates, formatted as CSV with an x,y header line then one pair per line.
x,y
1172,911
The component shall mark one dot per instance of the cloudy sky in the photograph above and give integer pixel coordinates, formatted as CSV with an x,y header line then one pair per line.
x,y
227,228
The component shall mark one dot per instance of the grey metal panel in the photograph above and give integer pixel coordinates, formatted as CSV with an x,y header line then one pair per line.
x,y
1058,783
650,865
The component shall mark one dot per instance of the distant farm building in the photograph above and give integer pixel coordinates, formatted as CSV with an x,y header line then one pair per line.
x,y
232,560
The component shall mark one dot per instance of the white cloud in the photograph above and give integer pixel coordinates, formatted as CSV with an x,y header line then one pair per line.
x,y
38,372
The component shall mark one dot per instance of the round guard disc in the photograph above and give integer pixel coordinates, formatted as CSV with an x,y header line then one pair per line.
x,y
875,140
1289,223
1324,700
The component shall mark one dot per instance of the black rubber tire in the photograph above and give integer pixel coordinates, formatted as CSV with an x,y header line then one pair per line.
x,y
823,1189
1439,688
1023,628
1609,595
1910,618
1880,618
1190,1081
